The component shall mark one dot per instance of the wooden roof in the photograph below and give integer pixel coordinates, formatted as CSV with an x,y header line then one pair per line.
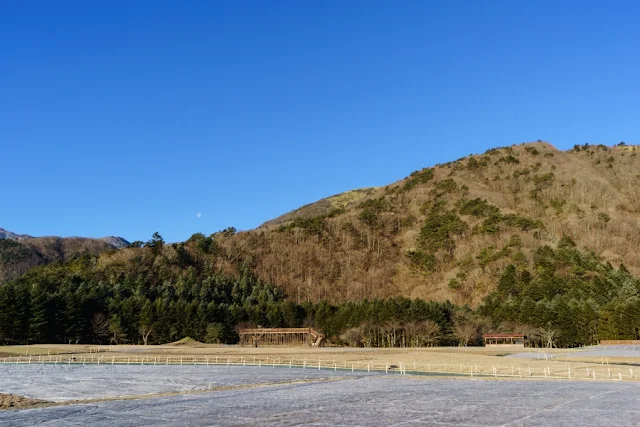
x,y
504,336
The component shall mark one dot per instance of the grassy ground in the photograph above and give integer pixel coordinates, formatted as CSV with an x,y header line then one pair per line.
x,y
437,359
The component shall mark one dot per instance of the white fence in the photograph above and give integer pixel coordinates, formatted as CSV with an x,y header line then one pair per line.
x,y
538,370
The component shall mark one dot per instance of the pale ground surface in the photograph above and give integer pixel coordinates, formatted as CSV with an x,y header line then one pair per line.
x,y
375,400
59,383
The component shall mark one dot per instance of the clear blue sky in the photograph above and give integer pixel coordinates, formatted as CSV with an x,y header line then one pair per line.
x,y
129,117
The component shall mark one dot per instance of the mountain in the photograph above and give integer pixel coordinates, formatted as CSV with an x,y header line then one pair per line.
x,y
21,252
443,233
116,242
4,234
526,238
448,232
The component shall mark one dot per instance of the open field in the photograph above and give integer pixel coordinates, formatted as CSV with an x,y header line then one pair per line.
x,y
588,363
359,400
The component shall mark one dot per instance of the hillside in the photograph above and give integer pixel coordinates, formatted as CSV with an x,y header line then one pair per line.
x,y
20,252
525,238
443,233
448,232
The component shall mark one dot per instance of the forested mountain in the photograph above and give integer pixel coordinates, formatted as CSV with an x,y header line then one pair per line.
x,y
522,238
20,252
448,232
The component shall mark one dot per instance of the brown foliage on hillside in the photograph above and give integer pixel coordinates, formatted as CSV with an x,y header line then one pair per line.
x,y
17,257
448,232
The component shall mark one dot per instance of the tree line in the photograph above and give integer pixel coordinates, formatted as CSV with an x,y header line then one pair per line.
x,y
569,298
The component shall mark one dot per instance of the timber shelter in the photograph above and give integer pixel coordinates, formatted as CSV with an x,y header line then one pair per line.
x,y
504,340
280,336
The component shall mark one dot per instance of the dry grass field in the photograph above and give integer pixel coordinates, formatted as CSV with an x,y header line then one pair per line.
x,y
528,363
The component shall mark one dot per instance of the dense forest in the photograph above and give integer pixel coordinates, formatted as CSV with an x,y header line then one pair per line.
x,y
569,298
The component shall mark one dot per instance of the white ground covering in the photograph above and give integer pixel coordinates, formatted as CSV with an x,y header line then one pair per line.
x,y
59,383
593,351
609,351
532,355
364,401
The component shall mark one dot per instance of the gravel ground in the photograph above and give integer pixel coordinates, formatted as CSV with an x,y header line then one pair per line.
x,y
357,401
59,383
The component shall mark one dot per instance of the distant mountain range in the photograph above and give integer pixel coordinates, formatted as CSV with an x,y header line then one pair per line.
x,y
4,234
20,252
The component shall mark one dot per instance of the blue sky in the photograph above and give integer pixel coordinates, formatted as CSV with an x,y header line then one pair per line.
x,y
129,117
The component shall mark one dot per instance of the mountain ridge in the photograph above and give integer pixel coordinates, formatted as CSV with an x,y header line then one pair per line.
x,y
526,239
21,252
590,193
443,233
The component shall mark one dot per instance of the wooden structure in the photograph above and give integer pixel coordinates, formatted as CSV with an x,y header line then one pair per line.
x,y
281,336
504,340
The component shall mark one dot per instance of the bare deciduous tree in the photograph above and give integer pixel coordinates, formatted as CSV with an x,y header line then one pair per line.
x,y
548,337
145,330
465,330
352,336
100,325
